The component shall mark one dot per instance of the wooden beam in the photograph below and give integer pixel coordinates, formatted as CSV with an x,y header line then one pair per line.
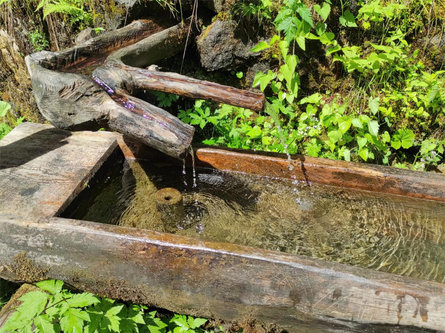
x,y
368,177
42,169
217,280
118,75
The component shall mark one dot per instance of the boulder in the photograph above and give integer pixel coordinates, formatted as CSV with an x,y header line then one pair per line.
x,y
221,47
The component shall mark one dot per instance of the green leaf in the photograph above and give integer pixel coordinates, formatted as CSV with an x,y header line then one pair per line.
x,y
335,135
386,137
312,99
373,127
364,153
361,141
403,138
344,125
33,303
260,46
4,108
333,49
44,325
373,104
323,11
198,322
305,14
357,123
51,286
73,321
348,20
82,300
301,41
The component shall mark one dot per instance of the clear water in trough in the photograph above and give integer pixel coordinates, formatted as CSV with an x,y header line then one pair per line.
x,y
383,232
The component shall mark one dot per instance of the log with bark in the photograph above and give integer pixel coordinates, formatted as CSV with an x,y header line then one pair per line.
x,y
75,101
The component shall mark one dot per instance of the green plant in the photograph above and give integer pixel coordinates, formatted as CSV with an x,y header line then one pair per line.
x,y
38,40
54,309
7,123
76,10
164,99
391,112
259,11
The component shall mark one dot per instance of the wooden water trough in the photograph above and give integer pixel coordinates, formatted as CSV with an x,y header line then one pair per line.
x,y
42,169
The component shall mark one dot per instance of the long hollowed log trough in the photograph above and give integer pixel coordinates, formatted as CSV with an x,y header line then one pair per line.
x,y
74,101
186,275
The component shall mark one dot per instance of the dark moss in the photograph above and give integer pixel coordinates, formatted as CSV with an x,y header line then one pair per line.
x,y
26,270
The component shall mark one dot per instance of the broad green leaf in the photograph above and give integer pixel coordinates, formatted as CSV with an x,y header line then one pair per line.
x,y
335,135
385,137
73,321
373,104
403,138
333,49
284,48
51,286
15,322
305,14
312,99
320,28
4,108
373,127
344,125
197,322
348,19
128,326
363,153
114,310
361,141
260,46
33,304
44,325
357,123
82,300
323,11
301,41
326,38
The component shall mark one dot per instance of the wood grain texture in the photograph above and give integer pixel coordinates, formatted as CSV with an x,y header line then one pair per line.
x,y
217,280
118,75
42,168
424,185
75,101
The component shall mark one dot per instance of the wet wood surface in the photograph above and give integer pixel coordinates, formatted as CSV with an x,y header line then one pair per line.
x,y
42,168
216,280
375,178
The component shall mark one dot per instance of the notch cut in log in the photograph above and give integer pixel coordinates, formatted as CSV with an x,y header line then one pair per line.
x,y
118,75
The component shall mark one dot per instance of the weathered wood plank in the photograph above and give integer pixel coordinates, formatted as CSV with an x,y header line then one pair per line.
x,y
424,185
118,75
215,279
42,168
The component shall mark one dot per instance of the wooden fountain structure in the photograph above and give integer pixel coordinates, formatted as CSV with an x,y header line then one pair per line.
x,y
44,168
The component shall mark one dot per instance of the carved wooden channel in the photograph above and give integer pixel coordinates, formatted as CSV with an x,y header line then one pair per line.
x,y
42,169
